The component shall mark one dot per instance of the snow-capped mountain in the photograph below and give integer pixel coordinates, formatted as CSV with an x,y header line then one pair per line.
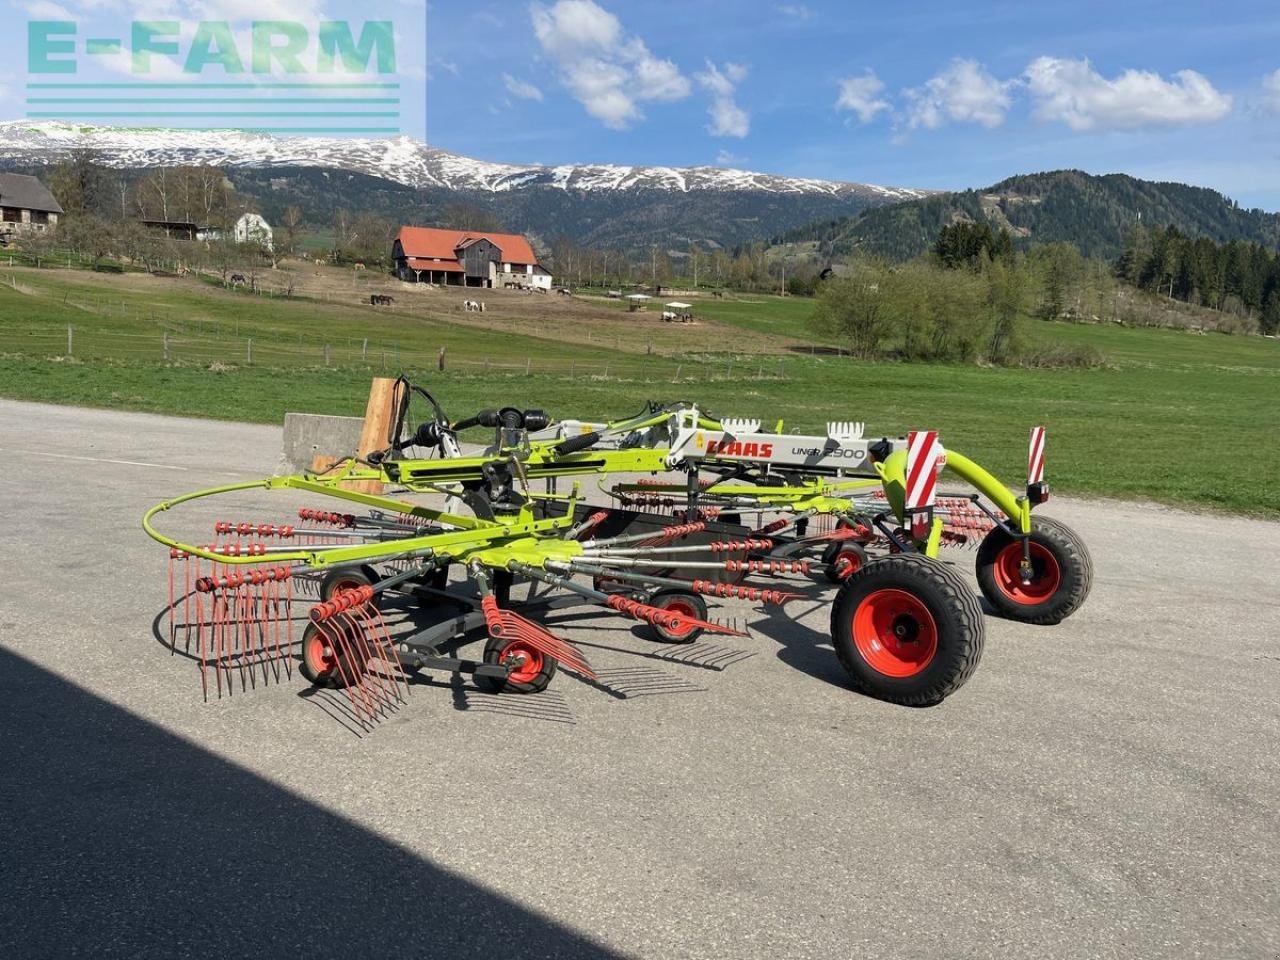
x,y
400,159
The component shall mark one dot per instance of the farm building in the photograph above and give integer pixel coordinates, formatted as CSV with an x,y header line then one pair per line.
x,y
26,206
250,228
469,259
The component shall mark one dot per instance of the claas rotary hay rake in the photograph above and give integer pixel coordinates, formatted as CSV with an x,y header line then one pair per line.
x,y
904,624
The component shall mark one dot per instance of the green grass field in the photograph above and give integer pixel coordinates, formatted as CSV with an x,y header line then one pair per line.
x,y
1191,420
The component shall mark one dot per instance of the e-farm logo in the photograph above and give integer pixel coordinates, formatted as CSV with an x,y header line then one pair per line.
x,y
278,76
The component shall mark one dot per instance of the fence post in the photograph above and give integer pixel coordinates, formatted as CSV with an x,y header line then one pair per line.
x,y
730,374
679,367
573,369
528,362
164,345
248,352
326,354
440,360
606,371
364,350
70,352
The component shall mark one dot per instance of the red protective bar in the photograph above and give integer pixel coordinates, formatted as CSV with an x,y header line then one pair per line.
x,y
506,625
767,566
325,516
671,620
341,602
724,546
773,527
677,531
282,530
231,581
742,592
593,521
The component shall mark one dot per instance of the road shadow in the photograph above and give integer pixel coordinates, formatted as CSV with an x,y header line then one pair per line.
x,y
119,839
800,647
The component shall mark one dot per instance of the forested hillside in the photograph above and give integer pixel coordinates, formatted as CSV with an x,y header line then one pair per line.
x,y
1093,213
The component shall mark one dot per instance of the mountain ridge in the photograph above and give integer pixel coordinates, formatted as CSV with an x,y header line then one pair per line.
x,y
400,159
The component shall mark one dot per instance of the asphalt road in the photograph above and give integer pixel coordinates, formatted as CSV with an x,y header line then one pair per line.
x,y
1105,788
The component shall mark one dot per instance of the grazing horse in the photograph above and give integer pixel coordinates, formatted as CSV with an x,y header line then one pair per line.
x,y
358,266
238,280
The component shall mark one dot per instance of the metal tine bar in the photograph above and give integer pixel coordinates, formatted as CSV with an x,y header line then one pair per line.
x,y
334,634
630,538
367,678
372,640
389,655
200,641
716,546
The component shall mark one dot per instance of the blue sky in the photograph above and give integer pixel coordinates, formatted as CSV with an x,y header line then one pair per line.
x,y
918,94
921,93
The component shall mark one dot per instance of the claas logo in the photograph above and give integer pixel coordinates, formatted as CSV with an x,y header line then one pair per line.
x,y
736,448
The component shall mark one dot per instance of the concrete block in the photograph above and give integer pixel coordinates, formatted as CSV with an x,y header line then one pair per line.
x,y
308,435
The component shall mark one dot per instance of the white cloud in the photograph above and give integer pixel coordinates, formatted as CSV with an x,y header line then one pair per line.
x,y
861,95
728,119
606,71
521,88
1072,92
964,93
726,159
1271,91
797,10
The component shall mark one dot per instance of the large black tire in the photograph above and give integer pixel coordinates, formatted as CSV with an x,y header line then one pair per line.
x,y
908,629
1062,573
532,676
843,560
347,578
684,602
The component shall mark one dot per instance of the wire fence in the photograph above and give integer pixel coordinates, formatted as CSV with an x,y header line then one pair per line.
x,y
187,348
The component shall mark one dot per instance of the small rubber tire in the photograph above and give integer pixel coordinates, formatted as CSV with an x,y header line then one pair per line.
x,y
853,556
1063,573
347,578
335,671
682,601
533,676
908,629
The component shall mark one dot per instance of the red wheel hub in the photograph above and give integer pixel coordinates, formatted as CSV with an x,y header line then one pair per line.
x,y
895,633
522,661
848,562
320,654
683,606
1046,575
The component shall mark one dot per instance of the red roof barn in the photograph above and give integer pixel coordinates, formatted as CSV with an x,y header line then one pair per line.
x,y
468,258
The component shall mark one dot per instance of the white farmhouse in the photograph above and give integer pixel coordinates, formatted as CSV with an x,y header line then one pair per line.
x,y
251,228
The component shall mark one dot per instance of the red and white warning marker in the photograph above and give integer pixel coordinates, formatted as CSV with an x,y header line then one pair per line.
x,y
925,457
1035,457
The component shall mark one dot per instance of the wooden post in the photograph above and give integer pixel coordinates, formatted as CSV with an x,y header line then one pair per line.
x,y
364,350
440,360
676,378
379,420
164,345
326,354
528,362
248,353
70,343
